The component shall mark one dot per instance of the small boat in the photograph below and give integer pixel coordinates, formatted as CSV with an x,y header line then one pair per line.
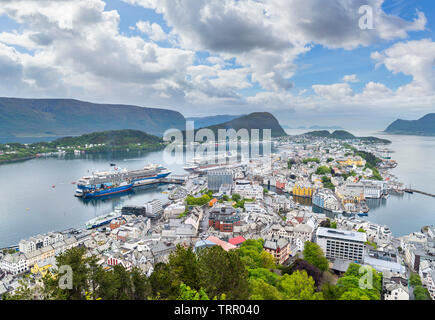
x,y
363,214
113,164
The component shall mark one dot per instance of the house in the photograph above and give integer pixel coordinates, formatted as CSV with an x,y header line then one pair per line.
x,y
395,291
278,247
304,232
118,259
223,244
14,263
237,241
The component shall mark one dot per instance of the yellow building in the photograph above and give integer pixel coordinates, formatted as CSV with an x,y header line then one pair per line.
x,y
36,269
303,191
357,161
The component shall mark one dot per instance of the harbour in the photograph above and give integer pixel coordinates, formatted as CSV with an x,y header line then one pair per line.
x,y
32,206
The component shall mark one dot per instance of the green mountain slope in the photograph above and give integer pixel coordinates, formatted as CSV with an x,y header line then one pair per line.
x,y
201,122
60,117
423,126
256,120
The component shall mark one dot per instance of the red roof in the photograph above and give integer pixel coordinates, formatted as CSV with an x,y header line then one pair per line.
x,y
299,219
237,240
225,245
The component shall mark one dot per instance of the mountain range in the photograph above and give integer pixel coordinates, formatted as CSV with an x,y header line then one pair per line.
x,y
424,126
61,117
51,118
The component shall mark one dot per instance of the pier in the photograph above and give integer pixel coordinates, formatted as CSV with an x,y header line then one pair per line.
x,y
418,191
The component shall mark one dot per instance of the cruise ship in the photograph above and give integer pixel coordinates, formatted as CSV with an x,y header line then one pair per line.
x,y
104,219
105,183
219,161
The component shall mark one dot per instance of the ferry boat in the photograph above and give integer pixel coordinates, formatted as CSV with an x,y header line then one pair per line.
x,y
104,219
219,161
104,183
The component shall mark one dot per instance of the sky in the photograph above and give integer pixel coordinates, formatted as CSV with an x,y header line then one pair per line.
x,y
308,62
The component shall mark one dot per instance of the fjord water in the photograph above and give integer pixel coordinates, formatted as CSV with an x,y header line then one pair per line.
x,y
37,196
30,205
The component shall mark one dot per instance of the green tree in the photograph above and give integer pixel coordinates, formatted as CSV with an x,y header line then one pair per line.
x,y
313,254
414,280
184,267
299,286
187,293
355,294
261,290
222,272
236,197
421,293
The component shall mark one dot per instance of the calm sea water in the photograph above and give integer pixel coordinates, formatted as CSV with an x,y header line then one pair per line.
x,y
30,205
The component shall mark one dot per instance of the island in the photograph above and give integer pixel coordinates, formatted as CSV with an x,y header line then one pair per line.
x,y
425,126
344,135
255,120
97,142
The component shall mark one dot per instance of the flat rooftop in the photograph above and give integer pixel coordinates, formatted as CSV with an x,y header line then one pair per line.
x,y
341,234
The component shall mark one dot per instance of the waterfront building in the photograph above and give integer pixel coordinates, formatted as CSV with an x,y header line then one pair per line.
x,y
303,191
216,178
351,196
34,243
342,244
326,199
154,208
14,263
374,189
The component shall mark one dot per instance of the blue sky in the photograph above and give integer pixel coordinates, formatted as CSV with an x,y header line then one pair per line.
x,y
213,57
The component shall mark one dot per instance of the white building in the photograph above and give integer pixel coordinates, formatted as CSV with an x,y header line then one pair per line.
x,y
396,291
342,244
174,210
249,191
14,263
40,241
154,207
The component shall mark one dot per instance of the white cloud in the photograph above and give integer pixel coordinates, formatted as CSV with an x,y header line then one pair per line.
x,y
412,58
75,49
334,91
350,78
153,30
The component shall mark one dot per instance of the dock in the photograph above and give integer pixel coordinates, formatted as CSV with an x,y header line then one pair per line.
x,y
418,191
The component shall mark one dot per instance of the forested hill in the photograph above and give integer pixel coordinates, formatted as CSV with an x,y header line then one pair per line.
x,y
110,138
201,122
424,126
344,135
61,117
256,120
